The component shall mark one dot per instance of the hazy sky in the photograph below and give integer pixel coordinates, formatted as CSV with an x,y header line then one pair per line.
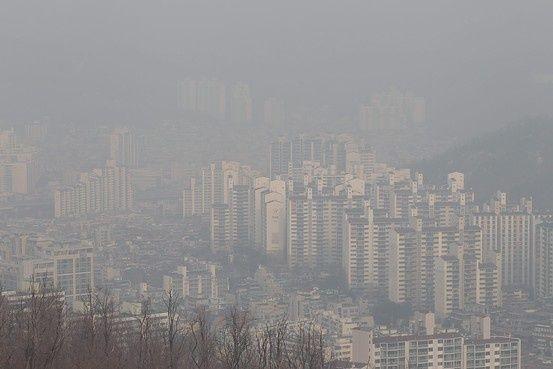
x,y
120,60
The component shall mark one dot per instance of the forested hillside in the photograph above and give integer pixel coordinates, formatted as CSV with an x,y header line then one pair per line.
x,y
517,159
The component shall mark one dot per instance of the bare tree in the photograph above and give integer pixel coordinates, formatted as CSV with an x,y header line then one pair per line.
x,y
39,318
6,332
270,345
174,342
308,348
278,336
261,347
202,340
109,352
84,329
236,341
34,334
147,345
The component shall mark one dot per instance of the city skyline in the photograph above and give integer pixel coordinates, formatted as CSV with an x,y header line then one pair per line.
x,y
279,185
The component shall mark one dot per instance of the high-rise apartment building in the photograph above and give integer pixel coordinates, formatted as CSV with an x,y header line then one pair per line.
x,y
462,281
334,155
224,191
18,177
392,109
358,254
35,131
448,285
241,216
488,223
124,150
489,281
381,238
220,228
330,152
305,234
544,260
192,203
8,141
18,167
435,351
232,223
270,217
206,96
315,222
367,159
280,157
432,243
403,280
516,236
260,188
213,185
512,234
274,113
102,190
240,103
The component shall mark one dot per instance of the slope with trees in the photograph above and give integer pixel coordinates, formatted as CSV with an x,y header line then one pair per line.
x,y
517,159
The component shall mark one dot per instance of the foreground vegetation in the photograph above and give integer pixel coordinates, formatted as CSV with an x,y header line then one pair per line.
x,y
37,331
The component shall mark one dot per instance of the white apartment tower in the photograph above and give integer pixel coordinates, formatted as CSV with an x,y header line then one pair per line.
x,y
448,285
102,190
358,261
516,234
403,280
273,216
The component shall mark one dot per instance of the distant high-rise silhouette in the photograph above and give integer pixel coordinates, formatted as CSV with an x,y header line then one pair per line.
x,y
124,148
